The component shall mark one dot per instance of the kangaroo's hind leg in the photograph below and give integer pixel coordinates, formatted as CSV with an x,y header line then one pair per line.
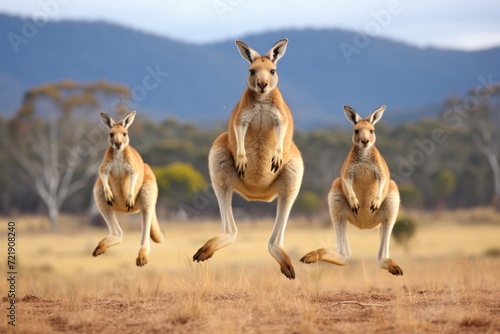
x,y
222,176
288,186
115,232
147,201
388,213
340,211
147,216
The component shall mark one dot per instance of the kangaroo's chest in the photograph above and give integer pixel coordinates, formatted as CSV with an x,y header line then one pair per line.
x,y
262,122
365,180
364,172
119,168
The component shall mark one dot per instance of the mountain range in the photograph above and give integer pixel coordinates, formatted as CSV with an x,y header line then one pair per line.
x,y
322,70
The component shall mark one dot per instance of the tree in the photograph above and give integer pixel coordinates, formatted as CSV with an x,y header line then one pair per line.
x,y
411,195
307,203
480,112
178,183
58,152
403,231
445,183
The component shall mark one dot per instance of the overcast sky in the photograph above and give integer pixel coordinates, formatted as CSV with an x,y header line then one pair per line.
x,y
458,24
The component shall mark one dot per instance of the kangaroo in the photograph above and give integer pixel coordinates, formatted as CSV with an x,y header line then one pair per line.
x,y
257,157
364,195
125,184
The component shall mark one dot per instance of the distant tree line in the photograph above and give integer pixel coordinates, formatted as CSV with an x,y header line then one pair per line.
x,y
52,146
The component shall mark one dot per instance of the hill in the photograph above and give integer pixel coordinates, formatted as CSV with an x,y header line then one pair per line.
x,y
322,70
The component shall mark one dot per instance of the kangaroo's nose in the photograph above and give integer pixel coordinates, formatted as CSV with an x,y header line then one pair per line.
x,y
118,145
262,84
365,142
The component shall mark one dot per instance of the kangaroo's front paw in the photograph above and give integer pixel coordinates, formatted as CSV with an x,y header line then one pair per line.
x,y
129,203
354,204
376,203
108,196
241,164
277,160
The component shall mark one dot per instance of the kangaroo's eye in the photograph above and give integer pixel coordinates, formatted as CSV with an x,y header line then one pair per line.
x,y
111,135
273,71
252,72
372,131
125,135
356,131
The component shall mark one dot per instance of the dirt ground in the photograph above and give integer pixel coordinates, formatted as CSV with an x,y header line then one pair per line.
x,y
417,311
447,287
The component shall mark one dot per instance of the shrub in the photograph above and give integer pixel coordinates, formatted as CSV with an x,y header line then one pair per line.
x,y
492,252
307,203
411,195
404,230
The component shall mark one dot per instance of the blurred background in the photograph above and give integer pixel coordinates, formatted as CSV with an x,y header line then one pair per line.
x,y
434,64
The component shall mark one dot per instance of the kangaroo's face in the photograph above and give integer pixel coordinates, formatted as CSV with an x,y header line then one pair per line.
x,y
364,129
118,132
262,75
364,134
118,137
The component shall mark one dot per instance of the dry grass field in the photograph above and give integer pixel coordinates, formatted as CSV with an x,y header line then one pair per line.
x,y
449,284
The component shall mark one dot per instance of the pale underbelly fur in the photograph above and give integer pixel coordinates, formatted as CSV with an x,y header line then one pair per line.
x,y
259,177
365,187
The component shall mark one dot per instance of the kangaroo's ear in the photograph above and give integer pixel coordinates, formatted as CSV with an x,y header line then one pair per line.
x,y
128,120
277,51
106,120
351,115
376,115
247,52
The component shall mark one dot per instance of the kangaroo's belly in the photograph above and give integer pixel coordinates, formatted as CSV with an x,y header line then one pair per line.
x,y
365,186
366,218
259,161
260,145
365,195
120,184
259,178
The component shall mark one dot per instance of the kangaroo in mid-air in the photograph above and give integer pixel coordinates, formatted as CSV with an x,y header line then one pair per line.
x,y
256,157
125,184
364,195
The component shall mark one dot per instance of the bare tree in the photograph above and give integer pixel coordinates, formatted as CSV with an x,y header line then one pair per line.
x,y
59,153
480,112
487,141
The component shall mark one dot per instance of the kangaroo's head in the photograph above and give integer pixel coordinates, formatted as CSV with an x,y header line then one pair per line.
x,y
364,129
262,76
118,132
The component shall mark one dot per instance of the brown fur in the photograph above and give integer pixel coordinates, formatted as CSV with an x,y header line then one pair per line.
x,y
260,143
125,184
256,157
364,195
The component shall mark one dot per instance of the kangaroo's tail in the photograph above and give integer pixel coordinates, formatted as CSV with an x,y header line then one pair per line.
x,y
156,233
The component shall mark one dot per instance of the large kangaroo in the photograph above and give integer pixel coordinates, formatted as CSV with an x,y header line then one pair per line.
x,y
256,157
364,195
125,184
